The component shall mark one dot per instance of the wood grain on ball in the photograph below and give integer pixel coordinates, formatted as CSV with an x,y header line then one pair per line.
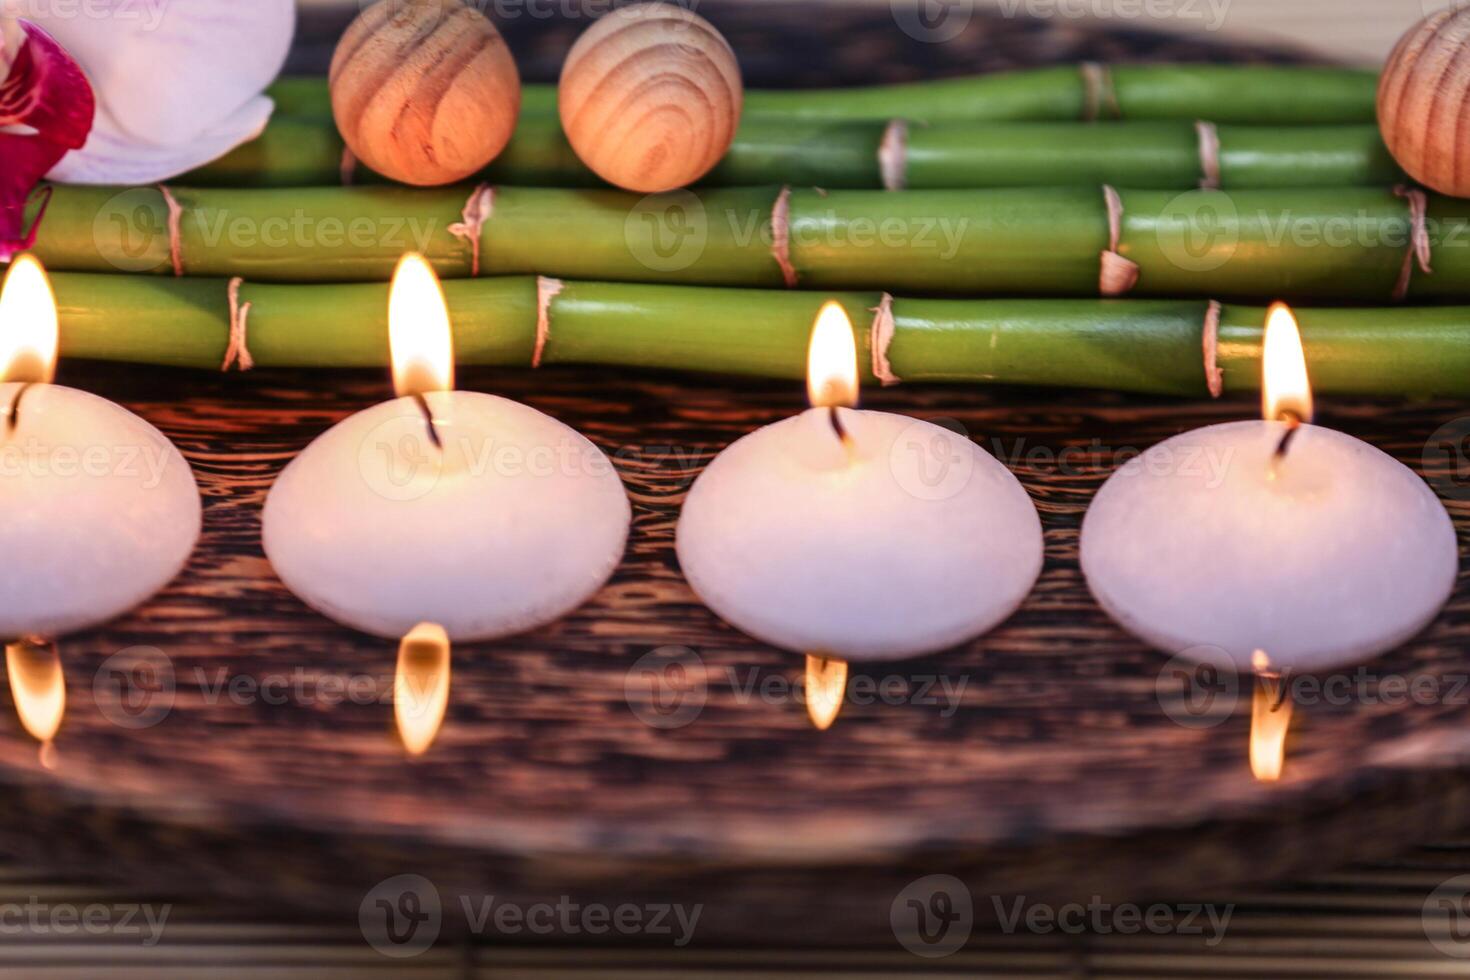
x,y
650,97
1424,102
424,91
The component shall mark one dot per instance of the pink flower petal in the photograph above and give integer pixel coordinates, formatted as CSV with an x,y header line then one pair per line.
x,y
46,109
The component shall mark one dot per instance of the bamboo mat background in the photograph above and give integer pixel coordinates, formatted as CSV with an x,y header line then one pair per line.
x,y
1363,922
1059,677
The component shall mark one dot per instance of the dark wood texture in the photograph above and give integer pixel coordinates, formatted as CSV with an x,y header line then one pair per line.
x,y
1055,772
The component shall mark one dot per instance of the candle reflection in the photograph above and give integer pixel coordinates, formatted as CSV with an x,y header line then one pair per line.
x,y
826,685
421,686
39,687
1271,709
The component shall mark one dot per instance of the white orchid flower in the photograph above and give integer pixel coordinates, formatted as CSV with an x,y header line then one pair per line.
x,y
178,83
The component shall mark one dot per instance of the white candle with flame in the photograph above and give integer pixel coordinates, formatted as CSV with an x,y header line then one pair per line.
x,y
509,521
876,537
1218,545
100,510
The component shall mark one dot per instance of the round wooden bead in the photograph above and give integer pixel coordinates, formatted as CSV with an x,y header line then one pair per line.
x,y
650,97
424,91
1423,96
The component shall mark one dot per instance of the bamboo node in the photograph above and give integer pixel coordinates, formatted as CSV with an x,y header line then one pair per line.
x,y
879,340
1098,92
547,289
1118,275
781,236
1209,155
1420,247
347,169
1214,377
477,211
237,352
893,155
175,220
28,237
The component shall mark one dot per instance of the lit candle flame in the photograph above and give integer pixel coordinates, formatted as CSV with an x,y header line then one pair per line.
x,y
420,341
826,686
1271,709
30,332
421,686
831,383
39,687
831,362
1286,393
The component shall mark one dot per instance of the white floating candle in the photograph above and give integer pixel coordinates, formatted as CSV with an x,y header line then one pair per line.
x,y
880,537
1215,545
100,510
511,521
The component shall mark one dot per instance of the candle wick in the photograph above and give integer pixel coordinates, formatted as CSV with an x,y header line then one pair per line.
x,y
12,411
423,404
1293,426
838,427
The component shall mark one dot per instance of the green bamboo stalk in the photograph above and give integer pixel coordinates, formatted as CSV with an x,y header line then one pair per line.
x,y
297,151
1335,245
1151,346
1246,94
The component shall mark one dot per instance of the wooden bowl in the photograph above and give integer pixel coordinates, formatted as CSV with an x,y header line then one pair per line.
x,y
225,738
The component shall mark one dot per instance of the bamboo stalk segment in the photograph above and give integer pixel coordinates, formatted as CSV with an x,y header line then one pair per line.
x,y
299,151
1151,346
1224,93
1322,245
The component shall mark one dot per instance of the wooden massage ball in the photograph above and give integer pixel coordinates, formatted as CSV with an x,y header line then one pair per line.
x,y
1424,99
650,97
424,91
